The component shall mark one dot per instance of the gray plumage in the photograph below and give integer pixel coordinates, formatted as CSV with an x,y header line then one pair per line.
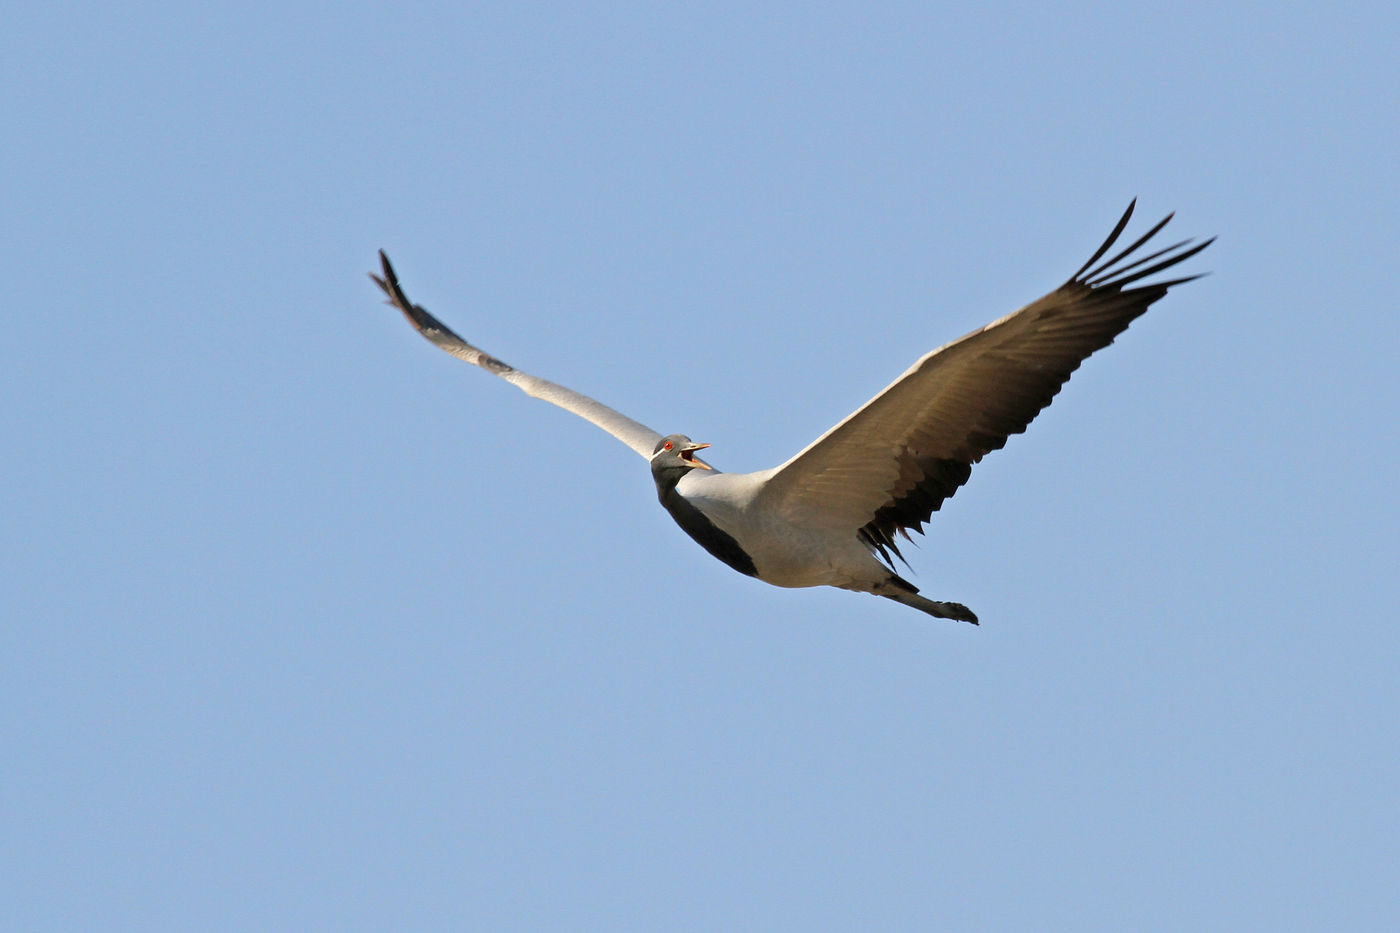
x,y
831,514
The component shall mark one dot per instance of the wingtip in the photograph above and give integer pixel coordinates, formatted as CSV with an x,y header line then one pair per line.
x,y
389,283
387,267
1108,243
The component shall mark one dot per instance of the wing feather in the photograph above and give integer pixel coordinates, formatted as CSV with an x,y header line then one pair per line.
x,y
889,466
637,436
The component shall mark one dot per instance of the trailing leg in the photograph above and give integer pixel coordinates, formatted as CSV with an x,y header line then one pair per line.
x,y
938,609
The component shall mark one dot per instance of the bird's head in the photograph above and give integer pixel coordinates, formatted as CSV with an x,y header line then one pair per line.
x,y
677,452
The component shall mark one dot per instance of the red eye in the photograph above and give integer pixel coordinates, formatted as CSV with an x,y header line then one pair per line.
x,y
668,445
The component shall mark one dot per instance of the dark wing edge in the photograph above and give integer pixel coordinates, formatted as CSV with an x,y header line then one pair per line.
x,y
438,333
1087,312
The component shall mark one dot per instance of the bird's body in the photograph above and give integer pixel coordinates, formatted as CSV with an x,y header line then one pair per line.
x,y
727,514
784,551
829,516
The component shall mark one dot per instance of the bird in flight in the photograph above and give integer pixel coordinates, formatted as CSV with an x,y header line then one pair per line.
x,y
830,515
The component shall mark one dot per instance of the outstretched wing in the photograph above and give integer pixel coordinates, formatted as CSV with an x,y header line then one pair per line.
x,y
639,437
888,467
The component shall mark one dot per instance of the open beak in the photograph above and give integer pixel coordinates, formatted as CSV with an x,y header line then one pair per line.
x,y
688,455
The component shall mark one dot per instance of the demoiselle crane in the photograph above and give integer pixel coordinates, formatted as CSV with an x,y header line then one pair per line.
x,y
830,515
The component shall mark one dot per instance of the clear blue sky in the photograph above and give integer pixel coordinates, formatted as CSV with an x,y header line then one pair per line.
x,y
309,627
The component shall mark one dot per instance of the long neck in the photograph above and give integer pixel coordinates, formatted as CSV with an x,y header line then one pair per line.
x,y
698,525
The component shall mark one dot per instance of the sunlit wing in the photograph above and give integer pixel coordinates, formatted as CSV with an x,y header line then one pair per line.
x,y
637,436
889,466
